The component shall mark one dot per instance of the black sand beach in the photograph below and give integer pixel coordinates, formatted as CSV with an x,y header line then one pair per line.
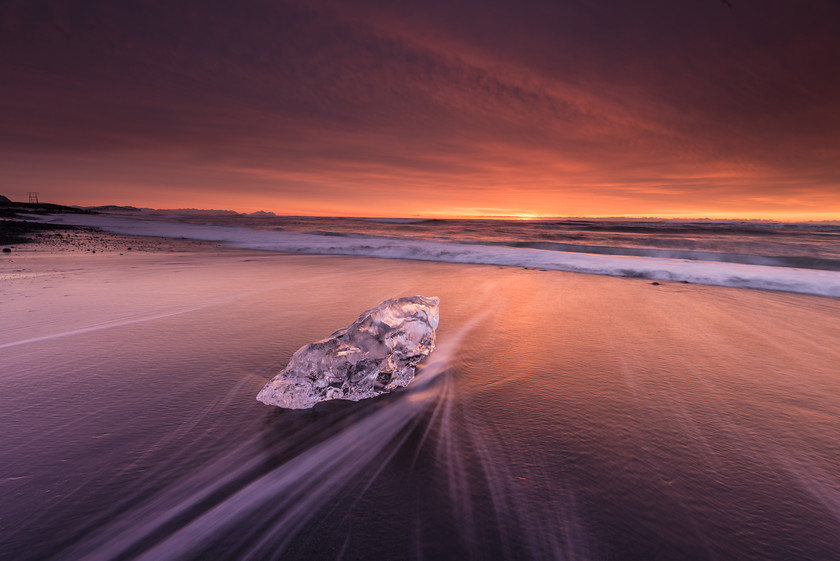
x,y
564,416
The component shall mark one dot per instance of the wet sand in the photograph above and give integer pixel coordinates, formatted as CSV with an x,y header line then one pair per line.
x,y
564,416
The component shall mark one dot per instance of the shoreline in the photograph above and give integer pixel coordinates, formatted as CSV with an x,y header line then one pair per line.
x,y
94,249
656,269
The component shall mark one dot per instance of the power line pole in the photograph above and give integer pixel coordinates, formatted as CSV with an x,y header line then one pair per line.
x,y
33,197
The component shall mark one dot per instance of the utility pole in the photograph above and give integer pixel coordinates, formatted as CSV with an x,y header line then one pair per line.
x,y
33,197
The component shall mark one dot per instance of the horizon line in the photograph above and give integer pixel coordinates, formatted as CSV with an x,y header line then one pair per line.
x,y
514,216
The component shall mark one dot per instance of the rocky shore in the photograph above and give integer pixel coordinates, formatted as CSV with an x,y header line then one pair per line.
x,y
18,234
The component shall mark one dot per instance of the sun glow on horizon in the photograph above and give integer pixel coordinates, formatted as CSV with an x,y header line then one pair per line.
x,y
227,204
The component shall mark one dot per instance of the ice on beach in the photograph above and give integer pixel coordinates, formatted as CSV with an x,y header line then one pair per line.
x,y
374,355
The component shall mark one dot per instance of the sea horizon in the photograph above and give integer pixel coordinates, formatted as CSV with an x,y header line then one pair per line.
x,y
832,218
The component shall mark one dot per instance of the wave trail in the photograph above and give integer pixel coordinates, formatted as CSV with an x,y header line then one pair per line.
x,y
186,520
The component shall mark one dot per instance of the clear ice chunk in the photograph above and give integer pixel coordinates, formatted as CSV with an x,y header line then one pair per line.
x,y
374,355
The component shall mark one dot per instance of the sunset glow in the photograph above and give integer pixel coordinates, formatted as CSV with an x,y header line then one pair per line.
x,y
536,109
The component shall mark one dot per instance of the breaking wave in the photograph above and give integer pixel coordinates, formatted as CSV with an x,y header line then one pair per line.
x,y
768,273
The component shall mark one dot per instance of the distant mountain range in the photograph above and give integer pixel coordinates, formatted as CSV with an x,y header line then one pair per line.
x,y
174,211
113,208
10,206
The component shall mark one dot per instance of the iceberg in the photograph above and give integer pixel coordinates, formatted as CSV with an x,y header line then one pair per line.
x,y
372,356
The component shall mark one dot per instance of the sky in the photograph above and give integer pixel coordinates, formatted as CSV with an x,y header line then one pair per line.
x,y
526,108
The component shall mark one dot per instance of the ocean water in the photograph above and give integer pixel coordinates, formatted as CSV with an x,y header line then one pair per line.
x,y
562,415
795,257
